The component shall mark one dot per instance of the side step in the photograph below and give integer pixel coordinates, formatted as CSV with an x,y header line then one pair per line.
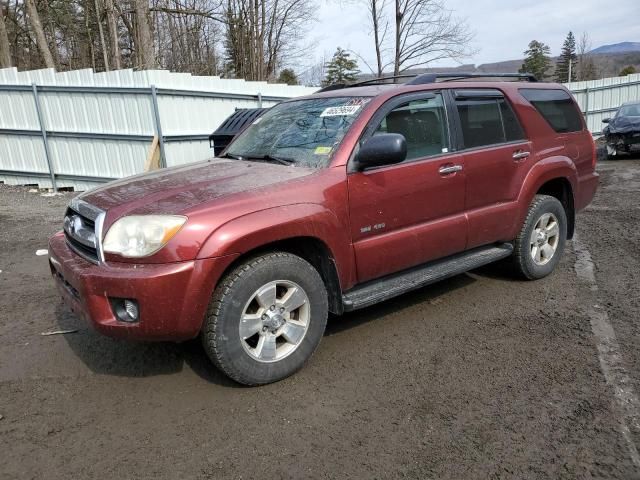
x,y
391,286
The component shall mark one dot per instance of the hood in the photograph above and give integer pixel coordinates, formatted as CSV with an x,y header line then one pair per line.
x,y
624,125
175,190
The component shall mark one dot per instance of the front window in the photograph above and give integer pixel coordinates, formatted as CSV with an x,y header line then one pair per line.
x,y
423,124
300,132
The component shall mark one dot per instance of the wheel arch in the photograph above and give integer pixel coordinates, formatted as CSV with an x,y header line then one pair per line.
x,y
311,249
554,176
308,230
561,189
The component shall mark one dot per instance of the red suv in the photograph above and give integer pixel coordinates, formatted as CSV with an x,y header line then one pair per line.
x,y
329,203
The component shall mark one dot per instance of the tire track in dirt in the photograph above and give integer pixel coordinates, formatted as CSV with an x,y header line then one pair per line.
x,y
609,353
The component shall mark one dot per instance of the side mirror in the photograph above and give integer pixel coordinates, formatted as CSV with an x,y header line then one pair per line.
x,y
606,120
383,149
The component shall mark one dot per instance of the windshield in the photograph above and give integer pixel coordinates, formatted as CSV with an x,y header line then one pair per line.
x,y
301,132
630,111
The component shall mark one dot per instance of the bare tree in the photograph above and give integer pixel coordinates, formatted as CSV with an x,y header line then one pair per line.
x,y
38,31
425,31
112,23
586,66
103,43
5,46
144,45
380,26
262,34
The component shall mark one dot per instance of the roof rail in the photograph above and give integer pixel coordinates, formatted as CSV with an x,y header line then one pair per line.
x,y
425,78
371,81
453,76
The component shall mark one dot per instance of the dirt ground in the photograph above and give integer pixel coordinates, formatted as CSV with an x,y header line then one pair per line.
x,y
480,376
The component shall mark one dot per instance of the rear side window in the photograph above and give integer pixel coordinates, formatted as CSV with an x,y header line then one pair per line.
x,y
512,129
487,121
557,108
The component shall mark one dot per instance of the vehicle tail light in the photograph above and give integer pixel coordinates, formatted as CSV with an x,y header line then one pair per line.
x,y
594,153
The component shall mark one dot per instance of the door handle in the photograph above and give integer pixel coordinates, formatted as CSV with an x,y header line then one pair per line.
x,y
520,154
446,170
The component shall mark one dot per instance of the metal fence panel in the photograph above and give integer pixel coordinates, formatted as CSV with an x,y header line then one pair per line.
x,y
99,126
600,99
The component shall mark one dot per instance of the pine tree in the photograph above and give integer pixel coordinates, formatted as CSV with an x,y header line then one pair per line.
x,y
288,76
567,57
627,71
537,60
341,69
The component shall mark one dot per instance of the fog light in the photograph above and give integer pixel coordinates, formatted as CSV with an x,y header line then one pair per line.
x,y
125,310
131,307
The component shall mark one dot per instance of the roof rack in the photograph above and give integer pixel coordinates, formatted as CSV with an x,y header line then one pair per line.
x,y
425,78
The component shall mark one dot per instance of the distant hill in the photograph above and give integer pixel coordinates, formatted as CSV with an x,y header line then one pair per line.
x,y
607,64
622,47
609,60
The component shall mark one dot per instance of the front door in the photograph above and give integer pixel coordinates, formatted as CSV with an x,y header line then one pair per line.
x,y
409,213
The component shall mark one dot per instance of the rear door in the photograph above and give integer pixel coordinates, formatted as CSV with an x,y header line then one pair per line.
x,y
497,156
409,213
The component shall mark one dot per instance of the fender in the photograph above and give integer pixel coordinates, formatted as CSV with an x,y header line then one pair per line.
x,y
254,230
543,171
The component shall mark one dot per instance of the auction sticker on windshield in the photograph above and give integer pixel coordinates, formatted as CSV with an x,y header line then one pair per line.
x,y
340,111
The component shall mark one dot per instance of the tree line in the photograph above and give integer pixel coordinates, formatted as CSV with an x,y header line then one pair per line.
x,y
250,39
575,63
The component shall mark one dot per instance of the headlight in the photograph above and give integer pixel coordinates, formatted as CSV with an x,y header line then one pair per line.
x,y
141,235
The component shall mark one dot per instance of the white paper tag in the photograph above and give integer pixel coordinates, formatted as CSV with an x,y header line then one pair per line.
x,y
341,111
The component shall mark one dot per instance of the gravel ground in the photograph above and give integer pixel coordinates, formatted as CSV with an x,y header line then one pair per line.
x,y
480,376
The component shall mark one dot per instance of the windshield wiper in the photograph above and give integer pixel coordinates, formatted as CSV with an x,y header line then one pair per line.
x,y
270,158
231,155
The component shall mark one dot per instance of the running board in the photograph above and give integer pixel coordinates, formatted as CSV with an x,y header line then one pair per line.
x,y
391,286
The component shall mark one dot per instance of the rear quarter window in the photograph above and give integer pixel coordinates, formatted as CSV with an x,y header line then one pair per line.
x,y
556,107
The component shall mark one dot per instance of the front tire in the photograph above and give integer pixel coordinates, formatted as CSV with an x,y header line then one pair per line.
x,y
541,241
266,318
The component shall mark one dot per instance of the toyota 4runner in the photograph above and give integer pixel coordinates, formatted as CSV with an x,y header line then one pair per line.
x,y
329,203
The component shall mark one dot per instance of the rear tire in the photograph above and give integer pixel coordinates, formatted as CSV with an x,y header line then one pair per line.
x,y
252,332
541,241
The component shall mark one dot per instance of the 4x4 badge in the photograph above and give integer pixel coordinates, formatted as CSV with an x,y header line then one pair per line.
x,y
377,226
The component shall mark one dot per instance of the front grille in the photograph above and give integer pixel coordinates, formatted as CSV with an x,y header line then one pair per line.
x,y
80,230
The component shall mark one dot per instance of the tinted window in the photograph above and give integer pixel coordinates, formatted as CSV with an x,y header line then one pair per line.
x,y
557,108
481,121
512,129
423,124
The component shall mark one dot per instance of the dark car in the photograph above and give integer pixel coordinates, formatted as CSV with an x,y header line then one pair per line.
x,y
329,203
623,130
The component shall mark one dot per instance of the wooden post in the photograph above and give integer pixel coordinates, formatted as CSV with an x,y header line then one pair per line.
x,y
153,157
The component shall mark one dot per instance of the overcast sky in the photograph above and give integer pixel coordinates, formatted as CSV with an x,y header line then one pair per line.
x,y
503,28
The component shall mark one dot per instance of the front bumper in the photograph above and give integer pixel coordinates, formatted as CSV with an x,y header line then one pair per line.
x,y
619,140
172,298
